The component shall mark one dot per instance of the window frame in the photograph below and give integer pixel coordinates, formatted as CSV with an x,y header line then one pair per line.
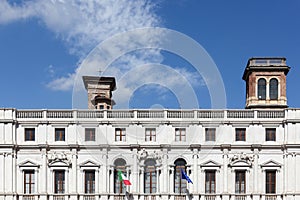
x,y
240,134
270,184
150,178
261,89
89,181
178,181
150,134
60,134
59,181
210,134
273,89
120,134
90,134
240,182
29,134
270,134
180,134
31,182
210,181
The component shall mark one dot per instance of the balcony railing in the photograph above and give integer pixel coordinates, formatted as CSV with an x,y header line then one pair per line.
x,y
150,114
210,197
240,197
89,197
59,197
119,197
149,197
270,197
179,197
28,197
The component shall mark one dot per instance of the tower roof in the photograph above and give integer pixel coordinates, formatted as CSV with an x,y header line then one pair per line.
x,y
99,80
266,64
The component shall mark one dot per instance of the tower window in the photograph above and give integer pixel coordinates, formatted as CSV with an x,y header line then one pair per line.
x,y
261,94
273,89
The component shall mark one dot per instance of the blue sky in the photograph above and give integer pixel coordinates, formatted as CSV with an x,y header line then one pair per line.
x,y
42,46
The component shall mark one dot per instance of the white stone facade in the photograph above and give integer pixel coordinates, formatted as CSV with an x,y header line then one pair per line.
x,y
225,156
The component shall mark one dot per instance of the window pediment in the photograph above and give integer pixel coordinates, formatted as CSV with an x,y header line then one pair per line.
x,y
29,163
271,164
89,163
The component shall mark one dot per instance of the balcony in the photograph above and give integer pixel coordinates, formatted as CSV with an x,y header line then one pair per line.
x,y
160,115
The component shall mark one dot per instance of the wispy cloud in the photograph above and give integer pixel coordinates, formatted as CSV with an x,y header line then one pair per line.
x,y
83,24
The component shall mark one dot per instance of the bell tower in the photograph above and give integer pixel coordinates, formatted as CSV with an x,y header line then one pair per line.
x,y
266,83
99,91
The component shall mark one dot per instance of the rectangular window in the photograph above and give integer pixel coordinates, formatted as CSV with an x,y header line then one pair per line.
x,y
89,183
90,134
240,134
180,134
150,178
150,134
240,182
29,134
59,134
59,181
271,182
29,182
210,181
210,134
270,134
120,134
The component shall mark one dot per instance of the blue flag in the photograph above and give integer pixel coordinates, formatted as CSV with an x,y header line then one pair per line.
x,y
185,176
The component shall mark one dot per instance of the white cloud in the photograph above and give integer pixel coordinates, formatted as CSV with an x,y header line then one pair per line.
x,y
83,24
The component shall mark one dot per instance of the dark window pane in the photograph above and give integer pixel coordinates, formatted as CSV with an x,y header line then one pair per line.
x,y
270,134
59,181
90,134
271,182
59,134
179,183
29,181
261,94
210,134
240,182
240,134
273,89
89,182
210,181
29,134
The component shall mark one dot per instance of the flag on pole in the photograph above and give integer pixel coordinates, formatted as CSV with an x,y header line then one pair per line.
x,y
123,178
185,176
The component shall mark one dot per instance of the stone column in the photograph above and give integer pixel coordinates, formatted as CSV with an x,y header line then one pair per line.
x,y
255,175
111,180
105,173
225,174
142,180
171,178
195,171
157,180
135,172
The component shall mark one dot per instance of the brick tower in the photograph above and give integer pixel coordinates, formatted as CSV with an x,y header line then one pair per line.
x,y
99,91
266,83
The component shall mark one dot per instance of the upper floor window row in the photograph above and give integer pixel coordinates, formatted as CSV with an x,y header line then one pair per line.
x,y
150,134
272,88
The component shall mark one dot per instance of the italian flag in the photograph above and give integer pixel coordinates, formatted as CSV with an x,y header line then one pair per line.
x,y
123,178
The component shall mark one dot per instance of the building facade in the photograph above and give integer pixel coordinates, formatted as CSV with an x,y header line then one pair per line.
x,y
246,154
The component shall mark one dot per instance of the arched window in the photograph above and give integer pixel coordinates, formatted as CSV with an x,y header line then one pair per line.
x,y
120,165
150,176
179,183
273,89
261,94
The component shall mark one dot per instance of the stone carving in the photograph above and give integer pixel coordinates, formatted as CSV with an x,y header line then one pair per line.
x,y
58,156
241,157
143,155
